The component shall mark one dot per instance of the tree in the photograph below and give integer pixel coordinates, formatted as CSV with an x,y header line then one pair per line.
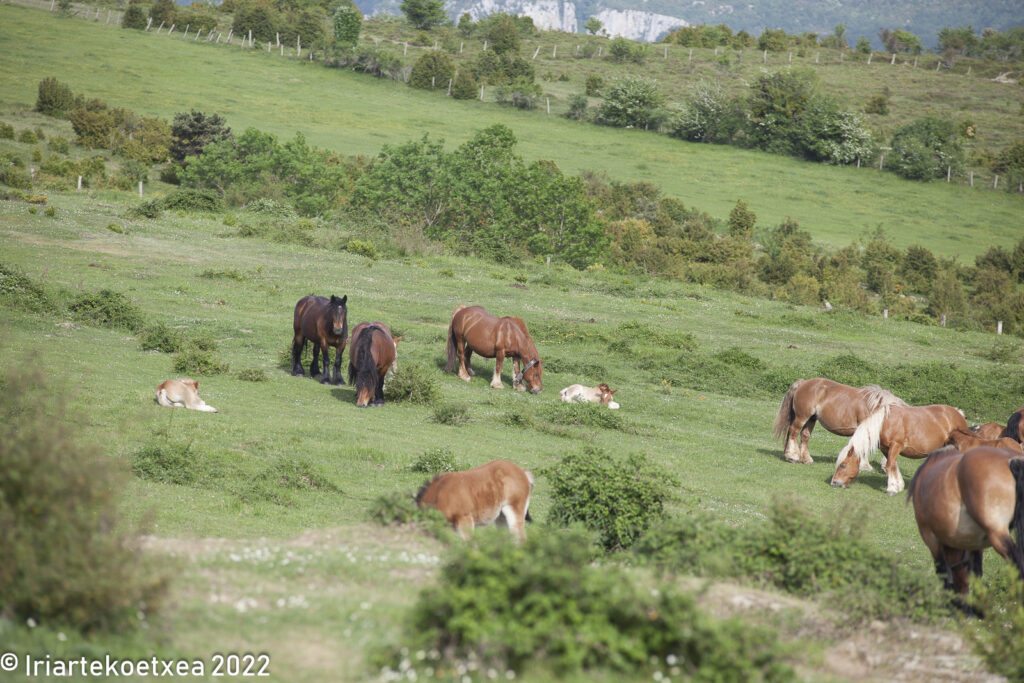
x,y
134,17
925,148
961,41
261,19
191,132
503,35
631,102
742,220
431,71
775,103
826,133
708,115
423,14
593,25
348,21
900,41
164,11
863,46
55,99
465,87
466,25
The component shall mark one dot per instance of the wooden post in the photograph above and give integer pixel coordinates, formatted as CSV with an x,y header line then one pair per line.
x,y
218,38
159,27
229,35
432,78
816,55
599,51
278,38
549,104
535,52
268,47
481,93
949,171
250,37
999,327
915,61
790,57
881,160
942,321
577,53
691,54
79,182
858,162
885,312
298,46
972,178
995,183
449,87
485,45
764,57
968,69
172,30
1020,187
140,188
554,52
461,43
405,50
938,65
108,16
666,52
52,2
893,59
149,23
282,50
870,55
187,27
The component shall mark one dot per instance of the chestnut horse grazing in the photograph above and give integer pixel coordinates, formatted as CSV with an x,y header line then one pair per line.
x,y
324,322
370,358
839,408
477,497
473,329
602,394
968,440
914,431
989,430
1014,428
965,502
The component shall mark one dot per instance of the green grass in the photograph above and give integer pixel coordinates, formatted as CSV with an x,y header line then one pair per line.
x,y
356,114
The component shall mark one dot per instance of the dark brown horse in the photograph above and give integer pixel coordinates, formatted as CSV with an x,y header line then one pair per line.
x,y
473,329
989,430
965,502
324,322
371,356
913,431
968,440
480,496
839,408
1014,428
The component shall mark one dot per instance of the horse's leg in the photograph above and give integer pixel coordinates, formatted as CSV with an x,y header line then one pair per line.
x,y
337,379
314,365
805,440
378,393
469,365
892,469
325,375
499,359
518,385
298,345
976,557
462,350
516,522
464,525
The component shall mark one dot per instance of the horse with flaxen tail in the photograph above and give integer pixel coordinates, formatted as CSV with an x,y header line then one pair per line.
x,y
839,408
965,502
370,356
474,330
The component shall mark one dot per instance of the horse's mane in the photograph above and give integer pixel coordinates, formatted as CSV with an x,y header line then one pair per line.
x,y
877,397
525,347
938,454
426,485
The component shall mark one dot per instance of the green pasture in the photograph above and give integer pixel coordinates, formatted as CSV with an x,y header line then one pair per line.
x,y
356,114
309,579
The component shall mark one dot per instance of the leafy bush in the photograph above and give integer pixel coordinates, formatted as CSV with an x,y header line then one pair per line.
x,y
586,415
625,50
997,637
150,209
926,148
160,337
348,21
362,248
167,462
194,200
276,483
878,104
451,414
6,131
432,71
192,359
544,604
465,86
631,102
414,383
521,93
55,99
134,17
617,498
435,460
252,375
67,560
593,85
401,508
108,308
577,107
59,144
191,132
19,291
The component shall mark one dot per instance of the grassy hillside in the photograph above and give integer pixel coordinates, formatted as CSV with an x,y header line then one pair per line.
x,y
355,114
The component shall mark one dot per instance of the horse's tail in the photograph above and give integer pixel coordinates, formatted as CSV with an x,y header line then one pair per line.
x,y
785,416
529,478
453,356
364,371
866,436
1013,425
1017,547
877,398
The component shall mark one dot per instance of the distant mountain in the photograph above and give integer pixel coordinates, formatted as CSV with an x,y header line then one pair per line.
x,y
649,20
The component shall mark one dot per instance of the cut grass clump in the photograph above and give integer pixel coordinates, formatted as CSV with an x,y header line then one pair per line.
x,y
174,463
543,606
452,414
67,561
413,383
434,461
277,483
108,308
617,498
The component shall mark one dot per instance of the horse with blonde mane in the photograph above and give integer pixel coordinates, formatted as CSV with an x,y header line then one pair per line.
x,y
474,330
371,357
965,502
969,440
839,408
481,495
913,431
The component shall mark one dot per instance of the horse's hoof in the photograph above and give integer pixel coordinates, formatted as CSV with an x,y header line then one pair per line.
x,y
298,373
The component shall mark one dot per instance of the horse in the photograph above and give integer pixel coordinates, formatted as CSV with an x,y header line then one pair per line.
x,y
478,496
602,394
1013,425
371,357
968,440
182,392
473,329
965,502
913,431
839,408
989,430
324,322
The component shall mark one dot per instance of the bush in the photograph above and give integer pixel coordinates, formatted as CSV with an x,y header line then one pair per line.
x,y
55,98
544,604
108,308
276,483
19,291
585,415
997,638
68,562
166,462
577,107
134,17
413,383
59,144
160,337
631,102
432,71
6,131
151,209
348,21
252,375
615,498
434,461
194,200
191,132
465,86
362,248
521,93
451,414
878,104
401,508
593,85
925,148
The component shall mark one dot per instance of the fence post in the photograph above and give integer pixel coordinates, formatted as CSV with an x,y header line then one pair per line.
x,y
666,52
159,27
972,178
816,55
893,58
535,53
298,46
481,93
691,54
942,321
554,52
949,171
172,30
79,182
968,69
277,38
790,57
187,27
764,58
881,160
999,327
885,312
149,23
140,188
995,183
461,43
485,45
549,104
915,61
405,49
870,55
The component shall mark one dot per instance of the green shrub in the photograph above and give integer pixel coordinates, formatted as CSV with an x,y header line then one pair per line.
x,y
544,604
997,637
6,131
67,559
401,508
586,415
160,337
194,200
631,102
435,460
465,86
51,212
193,360
878,104
55,98
167,462
593,85
151,209
28,137
362,248
108,308
432,71
21,292
252,375
14,176
617,498
134,17
451,414
414,383
276,483
577,107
